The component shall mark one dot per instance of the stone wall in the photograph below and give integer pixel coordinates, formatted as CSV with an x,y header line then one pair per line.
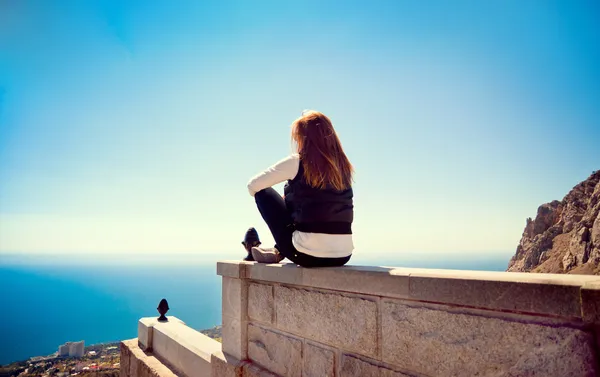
x,y
375,321
284,320
167,349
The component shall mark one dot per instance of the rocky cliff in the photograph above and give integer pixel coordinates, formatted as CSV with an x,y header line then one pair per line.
x,y
565,235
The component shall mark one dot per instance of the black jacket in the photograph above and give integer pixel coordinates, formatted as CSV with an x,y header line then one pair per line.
x,y
316,210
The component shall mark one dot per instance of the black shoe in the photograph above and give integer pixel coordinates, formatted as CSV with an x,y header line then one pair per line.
x,y
250,240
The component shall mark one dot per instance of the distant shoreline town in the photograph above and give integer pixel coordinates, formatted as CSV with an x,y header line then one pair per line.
x,y
71,359
75,359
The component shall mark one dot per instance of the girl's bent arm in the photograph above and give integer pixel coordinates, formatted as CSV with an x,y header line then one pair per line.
x,y
281,171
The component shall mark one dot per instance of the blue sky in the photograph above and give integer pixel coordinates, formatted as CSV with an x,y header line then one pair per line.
x,y
135,126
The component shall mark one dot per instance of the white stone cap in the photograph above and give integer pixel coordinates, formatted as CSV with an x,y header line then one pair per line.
x,y
188,351
548,294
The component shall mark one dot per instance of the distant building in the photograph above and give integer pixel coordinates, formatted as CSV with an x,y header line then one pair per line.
x,y
63,350
71,349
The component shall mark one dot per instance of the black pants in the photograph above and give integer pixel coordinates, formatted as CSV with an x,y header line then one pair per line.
x,y
272,208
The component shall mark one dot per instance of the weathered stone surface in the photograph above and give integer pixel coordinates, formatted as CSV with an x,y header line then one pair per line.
x,y
183,348
252,370
378,281
476,290
260,302
152,367
235,337
125,355
146,327
384,372
137,363
278,353
317,361
590,303
134,359
235,317
234,298
287,273
232,269
354,367
224,365
346,322
457,344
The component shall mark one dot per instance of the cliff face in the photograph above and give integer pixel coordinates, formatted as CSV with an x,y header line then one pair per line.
x,y
565,235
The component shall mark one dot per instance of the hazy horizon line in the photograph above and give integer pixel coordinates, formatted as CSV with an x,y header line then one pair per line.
x,y
380,258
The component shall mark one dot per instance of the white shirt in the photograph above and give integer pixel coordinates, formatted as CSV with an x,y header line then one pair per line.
x,y
316,244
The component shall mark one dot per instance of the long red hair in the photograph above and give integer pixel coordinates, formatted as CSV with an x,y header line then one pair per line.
x,y
323,159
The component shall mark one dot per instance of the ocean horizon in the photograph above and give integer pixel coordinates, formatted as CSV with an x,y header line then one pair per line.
x,y
51,299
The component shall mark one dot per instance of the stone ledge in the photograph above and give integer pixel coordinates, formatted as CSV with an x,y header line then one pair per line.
x,y
253,370
135,362
546,294
554,298
590,302
224,365
232,269
145,330
185,350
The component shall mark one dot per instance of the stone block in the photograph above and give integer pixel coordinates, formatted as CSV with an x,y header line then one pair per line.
x,y
224,365
188,351
377,281
590,303
252,370
151,367
276,352
145,326
154,368
235,317
441,341
355,367
145,330
334,319
260,302
137,363
317,361
144,370
287,273
232,269
499,291
125,356
133,364
234,298
235,337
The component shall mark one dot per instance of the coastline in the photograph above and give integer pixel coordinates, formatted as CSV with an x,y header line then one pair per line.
x,y
110,349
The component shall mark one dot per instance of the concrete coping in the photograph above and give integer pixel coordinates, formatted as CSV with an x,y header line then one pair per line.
x,y
546,294
184,349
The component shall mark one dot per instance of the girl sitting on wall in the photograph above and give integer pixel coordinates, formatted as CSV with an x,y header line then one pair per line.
x,y
312,223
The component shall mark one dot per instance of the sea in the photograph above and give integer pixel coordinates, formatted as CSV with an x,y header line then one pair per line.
x,y
47,300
